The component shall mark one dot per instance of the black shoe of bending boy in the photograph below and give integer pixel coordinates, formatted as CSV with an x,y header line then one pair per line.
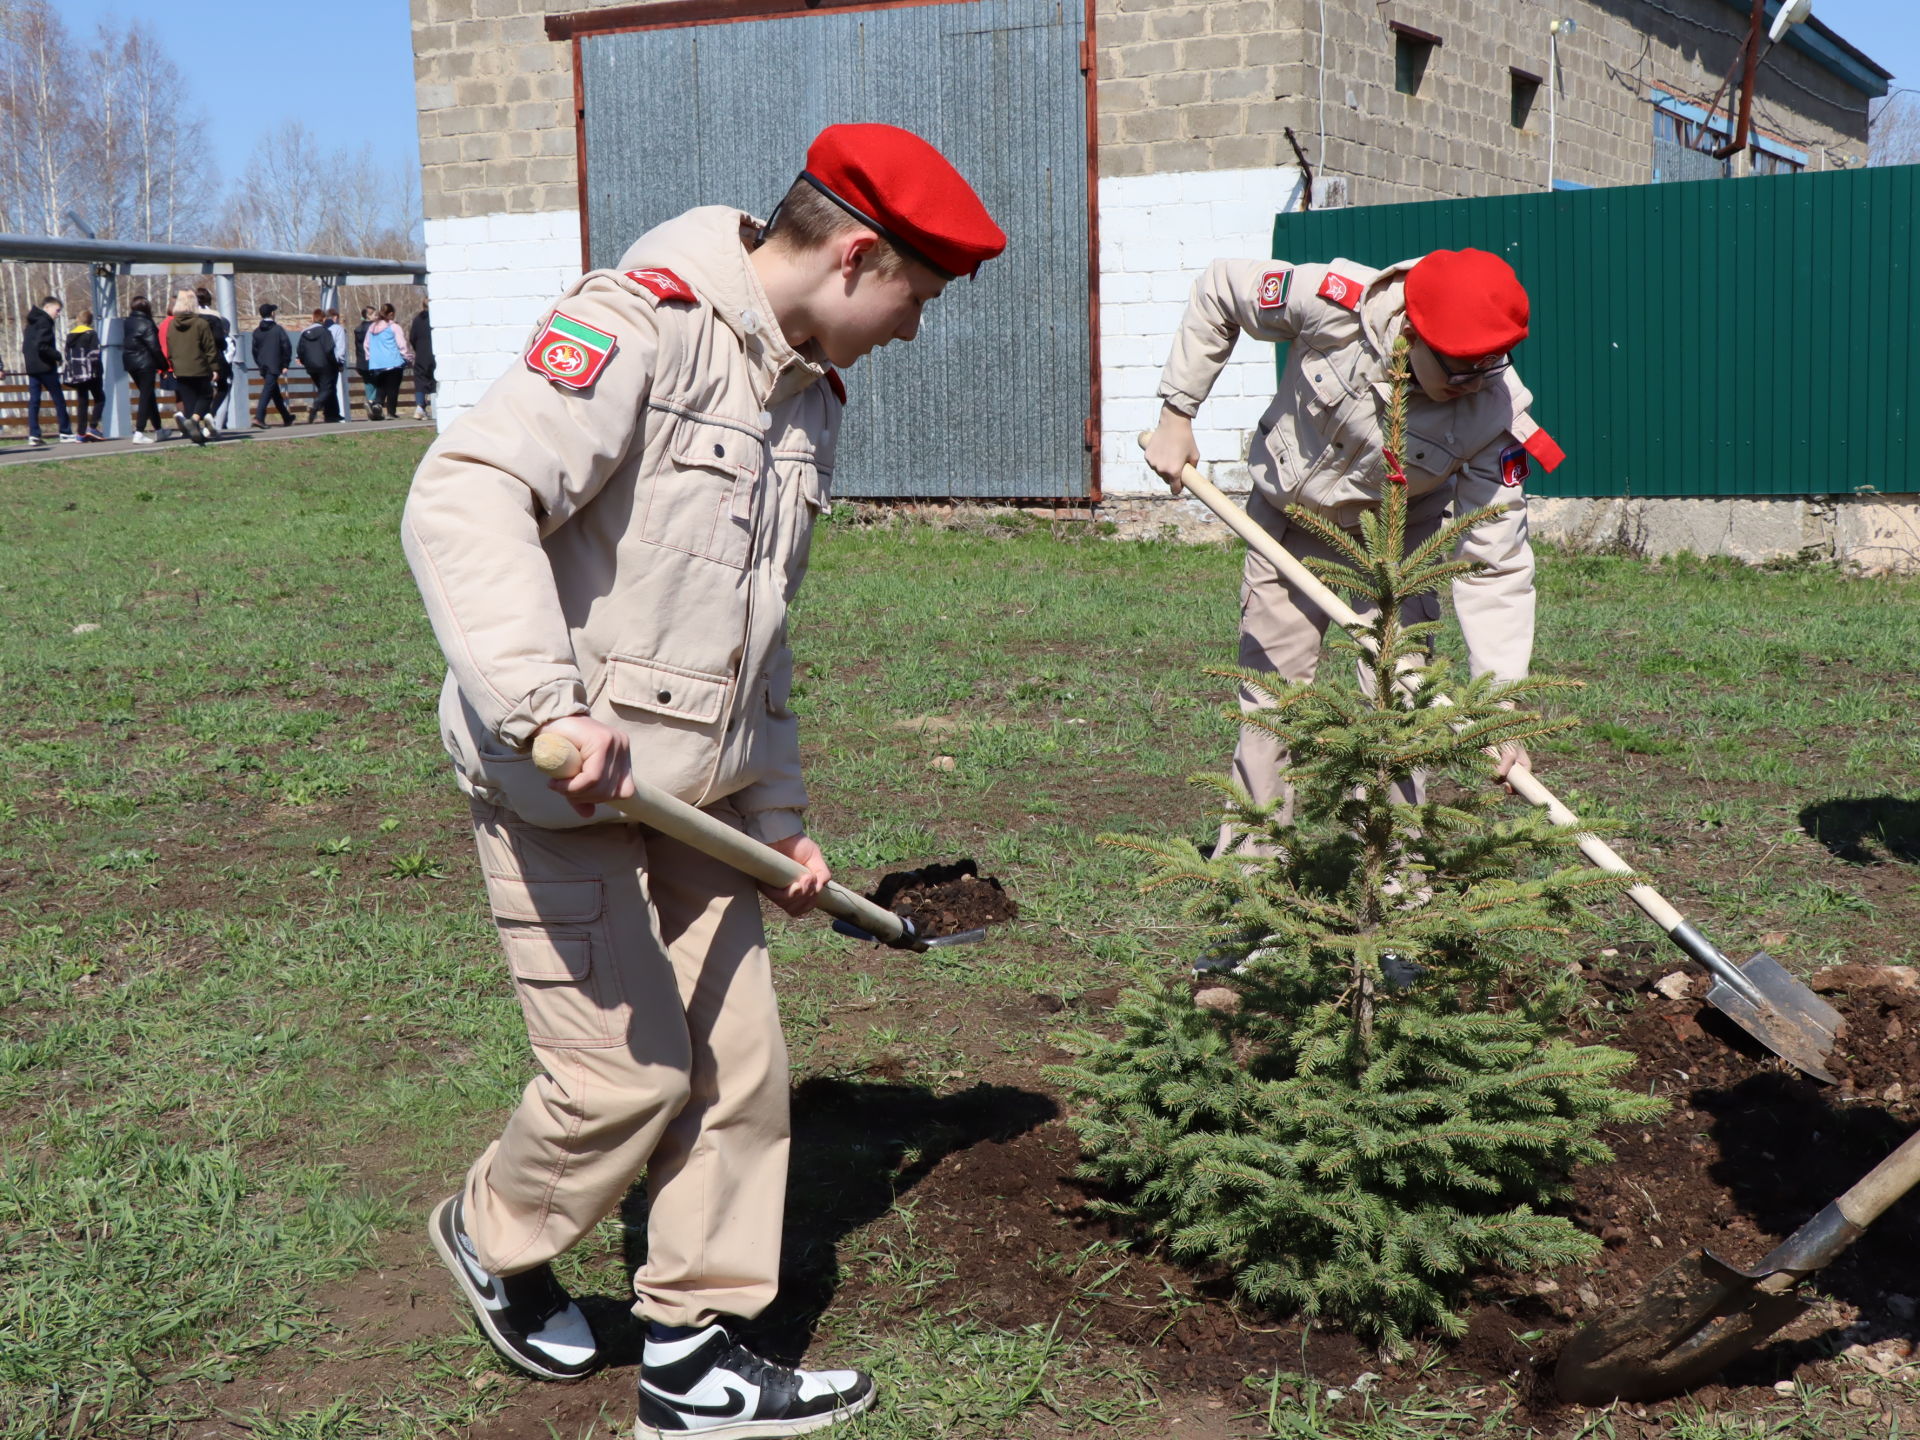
x,y
704,1382
530,1319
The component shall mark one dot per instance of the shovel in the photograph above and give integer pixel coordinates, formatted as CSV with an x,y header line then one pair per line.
x,y
1702,1313
855,915
1759,996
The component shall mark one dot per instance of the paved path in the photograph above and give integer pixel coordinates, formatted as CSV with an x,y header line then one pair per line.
x,y
14,449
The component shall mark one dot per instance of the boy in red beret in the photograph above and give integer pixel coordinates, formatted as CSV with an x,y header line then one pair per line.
x,y
607,545
1470,444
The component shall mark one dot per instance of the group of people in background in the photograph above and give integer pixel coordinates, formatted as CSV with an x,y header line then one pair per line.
x,y
192,350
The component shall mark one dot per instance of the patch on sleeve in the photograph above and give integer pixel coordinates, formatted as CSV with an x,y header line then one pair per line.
x,y
1540,445
1274,286
663,283
837,385
1513,465
569,353
1340,290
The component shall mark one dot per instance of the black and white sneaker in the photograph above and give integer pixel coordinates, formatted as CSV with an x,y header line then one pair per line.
x,y
531,1321
708,1384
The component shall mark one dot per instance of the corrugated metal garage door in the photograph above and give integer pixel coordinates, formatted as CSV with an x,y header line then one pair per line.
x,y
991,400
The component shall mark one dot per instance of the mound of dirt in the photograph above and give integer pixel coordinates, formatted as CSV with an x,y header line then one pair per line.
x,y
945,899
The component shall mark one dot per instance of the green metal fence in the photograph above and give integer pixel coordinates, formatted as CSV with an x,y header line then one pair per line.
x,y
1725,337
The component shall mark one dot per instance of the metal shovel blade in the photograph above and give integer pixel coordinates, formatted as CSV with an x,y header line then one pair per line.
x,y
1699,1316
932,942
1781,1013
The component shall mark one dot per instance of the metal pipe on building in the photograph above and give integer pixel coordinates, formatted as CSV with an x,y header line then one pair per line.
x,y
226,303
1554,32
115,413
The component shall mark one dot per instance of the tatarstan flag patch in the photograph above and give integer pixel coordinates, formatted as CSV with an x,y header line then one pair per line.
x,y
1274,286
570,353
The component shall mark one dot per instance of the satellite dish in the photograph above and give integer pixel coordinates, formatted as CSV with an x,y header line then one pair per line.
x,y
1791,14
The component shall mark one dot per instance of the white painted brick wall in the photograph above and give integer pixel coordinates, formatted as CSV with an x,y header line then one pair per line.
x,y
1157,233
490,278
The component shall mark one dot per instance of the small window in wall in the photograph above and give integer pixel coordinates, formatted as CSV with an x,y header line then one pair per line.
x,y
1411,50
1683,145
1765,162
1526,85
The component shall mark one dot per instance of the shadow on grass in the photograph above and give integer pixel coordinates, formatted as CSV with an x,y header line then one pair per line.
x,y
1866,830
858,1145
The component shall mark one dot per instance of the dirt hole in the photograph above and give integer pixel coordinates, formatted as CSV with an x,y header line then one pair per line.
x,y
945,899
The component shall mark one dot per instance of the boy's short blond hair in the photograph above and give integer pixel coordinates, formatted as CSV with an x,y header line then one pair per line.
x,y
806,219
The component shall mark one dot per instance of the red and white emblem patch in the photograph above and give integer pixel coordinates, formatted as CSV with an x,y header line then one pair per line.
x,y
1341,291
1274,286
1514,468
663,283
570,353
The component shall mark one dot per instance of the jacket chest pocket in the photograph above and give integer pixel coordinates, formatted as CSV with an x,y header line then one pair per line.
x,y
672,692
701,499
1431,453
1332,417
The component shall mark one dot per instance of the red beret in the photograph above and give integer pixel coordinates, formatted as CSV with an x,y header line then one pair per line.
x,y
1466,303
896,183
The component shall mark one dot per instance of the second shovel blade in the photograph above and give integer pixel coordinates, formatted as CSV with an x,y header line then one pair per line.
x,y
1698,1317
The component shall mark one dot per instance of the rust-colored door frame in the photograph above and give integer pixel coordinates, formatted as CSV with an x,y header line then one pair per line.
x,y
683,14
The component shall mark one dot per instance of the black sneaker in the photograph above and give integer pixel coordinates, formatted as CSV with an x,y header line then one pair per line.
x,y
531,1321
709,1384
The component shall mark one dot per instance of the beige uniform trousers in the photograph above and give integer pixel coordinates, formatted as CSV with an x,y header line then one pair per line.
x,y
1281,632
642,968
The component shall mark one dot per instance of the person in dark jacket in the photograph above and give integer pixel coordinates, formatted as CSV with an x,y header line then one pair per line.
x,y
41,348
195,351
141,353
317,356
81,374
272,354
222,365
360,357
420,333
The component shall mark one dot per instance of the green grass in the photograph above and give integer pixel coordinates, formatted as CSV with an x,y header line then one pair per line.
x,y
252,1020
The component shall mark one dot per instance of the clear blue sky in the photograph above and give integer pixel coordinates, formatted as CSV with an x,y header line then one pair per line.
x,y
361,54
254,64
1888,30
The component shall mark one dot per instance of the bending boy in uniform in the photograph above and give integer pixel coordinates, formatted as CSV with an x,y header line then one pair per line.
x,y
607,545
1470,442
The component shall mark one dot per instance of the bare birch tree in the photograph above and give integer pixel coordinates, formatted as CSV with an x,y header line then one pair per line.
x,y
1893,137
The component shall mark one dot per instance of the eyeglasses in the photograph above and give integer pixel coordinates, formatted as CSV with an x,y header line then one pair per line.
x,y
1460,372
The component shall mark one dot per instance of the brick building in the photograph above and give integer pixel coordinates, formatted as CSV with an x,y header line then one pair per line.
x,y
1188,109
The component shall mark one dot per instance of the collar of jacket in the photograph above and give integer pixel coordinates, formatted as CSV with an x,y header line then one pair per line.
x,y
707,248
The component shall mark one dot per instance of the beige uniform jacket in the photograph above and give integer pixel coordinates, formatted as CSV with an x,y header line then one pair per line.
x,y
628,549
1318,445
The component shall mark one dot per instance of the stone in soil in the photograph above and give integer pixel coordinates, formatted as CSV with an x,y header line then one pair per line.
x,y
945,899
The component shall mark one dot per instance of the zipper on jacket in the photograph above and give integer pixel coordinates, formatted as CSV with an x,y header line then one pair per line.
x,y
755,535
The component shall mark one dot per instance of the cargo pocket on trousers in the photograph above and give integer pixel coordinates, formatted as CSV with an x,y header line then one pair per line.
x,y
554,948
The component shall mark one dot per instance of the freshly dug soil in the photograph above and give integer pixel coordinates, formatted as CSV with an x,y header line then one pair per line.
x,y
945,899
1751,1150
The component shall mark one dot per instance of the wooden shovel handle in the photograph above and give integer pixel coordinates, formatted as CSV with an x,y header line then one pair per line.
x,y
1523,781
1868,1200
555,755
